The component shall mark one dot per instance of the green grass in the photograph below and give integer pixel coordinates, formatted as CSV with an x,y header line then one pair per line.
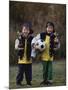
x,y
59,75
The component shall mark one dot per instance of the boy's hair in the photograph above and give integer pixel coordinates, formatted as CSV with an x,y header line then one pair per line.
x,y
28,26
50,24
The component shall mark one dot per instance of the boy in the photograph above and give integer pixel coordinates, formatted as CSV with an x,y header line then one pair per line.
x,y
52,44
23,45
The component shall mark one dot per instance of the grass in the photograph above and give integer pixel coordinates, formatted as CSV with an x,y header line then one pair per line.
x,y
59,75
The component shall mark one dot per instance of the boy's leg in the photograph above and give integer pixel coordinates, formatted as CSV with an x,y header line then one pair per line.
x,y
19,77
50,76
28,73
45,70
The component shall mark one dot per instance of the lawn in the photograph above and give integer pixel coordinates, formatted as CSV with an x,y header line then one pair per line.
x,y
59,75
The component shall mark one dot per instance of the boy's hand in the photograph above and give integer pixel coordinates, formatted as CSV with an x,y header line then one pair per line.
x,y
36,47
33,45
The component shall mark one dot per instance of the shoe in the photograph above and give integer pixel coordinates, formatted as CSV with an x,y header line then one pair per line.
x,y
46,82
29,83
43,82
19,84
49,82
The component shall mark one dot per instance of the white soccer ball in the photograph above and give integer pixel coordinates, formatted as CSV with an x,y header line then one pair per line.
x,y
40,45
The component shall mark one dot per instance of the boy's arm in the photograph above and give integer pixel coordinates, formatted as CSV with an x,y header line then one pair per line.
x,y
17,44
33,52
35,39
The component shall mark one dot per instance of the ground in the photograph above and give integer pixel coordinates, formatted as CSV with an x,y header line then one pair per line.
x,y
59,75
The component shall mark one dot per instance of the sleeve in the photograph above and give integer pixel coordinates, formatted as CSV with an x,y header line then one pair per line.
x,y
16,44
33,52
35,39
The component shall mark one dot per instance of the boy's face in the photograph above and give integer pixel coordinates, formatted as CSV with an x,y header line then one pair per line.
x,y
50,29
25,31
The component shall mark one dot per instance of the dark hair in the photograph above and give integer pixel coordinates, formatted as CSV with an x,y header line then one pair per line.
x,y
50,24
27,25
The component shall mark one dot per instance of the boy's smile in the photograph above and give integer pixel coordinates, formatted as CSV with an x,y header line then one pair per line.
x,y
49,29
25,31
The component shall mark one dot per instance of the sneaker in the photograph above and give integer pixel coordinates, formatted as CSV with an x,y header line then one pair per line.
x,y
43,82
49,82
19,84
29,83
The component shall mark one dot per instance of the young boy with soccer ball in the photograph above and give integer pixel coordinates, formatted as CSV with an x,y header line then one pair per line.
x,y
52,43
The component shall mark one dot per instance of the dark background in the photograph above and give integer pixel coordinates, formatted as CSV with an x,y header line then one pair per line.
x,y
38,14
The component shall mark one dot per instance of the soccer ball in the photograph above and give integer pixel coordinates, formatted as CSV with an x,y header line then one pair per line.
x,y
40,45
